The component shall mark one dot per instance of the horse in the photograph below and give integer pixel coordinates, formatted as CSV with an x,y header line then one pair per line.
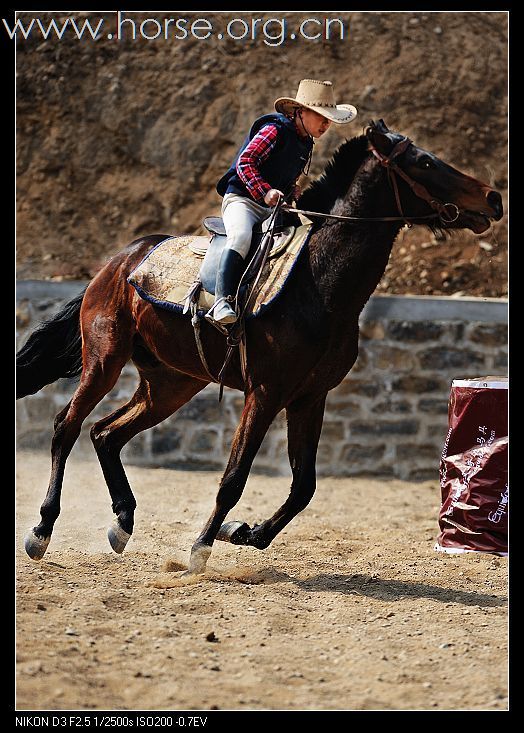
x,y
299,349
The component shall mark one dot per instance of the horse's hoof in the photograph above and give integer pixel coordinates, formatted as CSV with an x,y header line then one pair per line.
x,y
234,532
198,560
36,546
118,538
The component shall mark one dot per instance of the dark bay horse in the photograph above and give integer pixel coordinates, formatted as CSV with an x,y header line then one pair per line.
x,y
298,350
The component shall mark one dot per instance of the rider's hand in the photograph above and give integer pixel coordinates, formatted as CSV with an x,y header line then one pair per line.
x,y
296,193
272,196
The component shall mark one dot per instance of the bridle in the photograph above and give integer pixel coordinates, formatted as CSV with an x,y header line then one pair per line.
x,y
446,212
388,162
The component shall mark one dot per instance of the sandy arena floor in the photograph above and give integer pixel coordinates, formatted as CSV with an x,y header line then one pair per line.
x,y
349,609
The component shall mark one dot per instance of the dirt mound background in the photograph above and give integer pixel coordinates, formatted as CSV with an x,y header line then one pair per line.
x,y
116,139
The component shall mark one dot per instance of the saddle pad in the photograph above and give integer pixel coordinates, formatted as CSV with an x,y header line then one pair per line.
x,y
167,273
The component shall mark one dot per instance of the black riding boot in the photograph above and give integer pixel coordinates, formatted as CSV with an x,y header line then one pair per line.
x,y
229,271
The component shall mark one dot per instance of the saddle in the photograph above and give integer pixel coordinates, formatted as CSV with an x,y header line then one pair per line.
x,y
179,274
211,248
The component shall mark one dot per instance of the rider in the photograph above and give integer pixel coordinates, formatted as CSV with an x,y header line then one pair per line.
x,y
276,151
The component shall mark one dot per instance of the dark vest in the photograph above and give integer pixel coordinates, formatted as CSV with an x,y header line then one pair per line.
x,y
284,164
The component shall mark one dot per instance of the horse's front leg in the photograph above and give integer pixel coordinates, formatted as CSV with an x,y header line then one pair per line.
x,y
258,414
304,417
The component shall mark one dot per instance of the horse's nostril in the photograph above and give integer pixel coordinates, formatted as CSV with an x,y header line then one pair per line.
x,y
494,199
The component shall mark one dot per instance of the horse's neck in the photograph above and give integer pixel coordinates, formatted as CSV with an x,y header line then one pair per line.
x,y
348,259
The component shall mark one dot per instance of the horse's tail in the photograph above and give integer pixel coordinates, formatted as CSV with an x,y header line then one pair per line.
x,y
52,351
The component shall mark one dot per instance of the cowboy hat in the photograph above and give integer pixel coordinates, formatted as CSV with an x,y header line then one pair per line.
x,y
318,96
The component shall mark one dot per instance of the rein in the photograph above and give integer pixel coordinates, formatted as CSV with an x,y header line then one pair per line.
x,y
447,213
359,218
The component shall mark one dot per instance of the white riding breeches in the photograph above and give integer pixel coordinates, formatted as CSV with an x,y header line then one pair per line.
x,y
240,215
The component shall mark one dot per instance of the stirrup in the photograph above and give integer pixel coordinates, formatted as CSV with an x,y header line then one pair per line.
x,y
229,316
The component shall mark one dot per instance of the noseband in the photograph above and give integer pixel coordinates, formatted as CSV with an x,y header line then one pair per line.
x,y
447,213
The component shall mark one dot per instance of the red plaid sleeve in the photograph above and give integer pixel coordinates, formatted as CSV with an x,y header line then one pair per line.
x,y
252,157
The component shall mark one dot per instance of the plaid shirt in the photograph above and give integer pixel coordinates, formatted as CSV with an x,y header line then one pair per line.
x,y
252,157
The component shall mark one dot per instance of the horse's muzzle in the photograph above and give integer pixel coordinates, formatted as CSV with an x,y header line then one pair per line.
x,y
494,200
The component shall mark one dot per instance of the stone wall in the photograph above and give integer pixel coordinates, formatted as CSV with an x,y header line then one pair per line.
x,y
387,418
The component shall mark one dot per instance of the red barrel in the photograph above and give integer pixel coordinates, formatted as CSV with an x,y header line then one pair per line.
x,y
473,516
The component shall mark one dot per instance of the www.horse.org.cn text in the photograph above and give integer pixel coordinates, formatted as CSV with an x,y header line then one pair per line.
x,y
271,31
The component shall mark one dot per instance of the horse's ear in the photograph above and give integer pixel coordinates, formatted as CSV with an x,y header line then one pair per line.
x,y
377,134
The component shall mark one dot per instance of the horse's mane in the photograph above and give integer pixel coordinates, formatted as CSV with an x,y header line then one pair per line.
x,y
336,177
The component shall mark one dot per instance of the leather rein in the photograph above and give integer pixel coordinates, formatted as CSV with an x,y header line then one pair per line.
x,y
447,213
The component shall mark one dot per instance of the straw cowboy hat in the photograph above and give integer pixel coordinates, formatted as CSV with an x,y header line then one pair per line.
x,y
318,96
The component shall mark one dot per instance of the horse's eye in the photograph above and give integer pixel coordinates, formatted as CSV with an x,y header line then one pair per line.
x,y
426,163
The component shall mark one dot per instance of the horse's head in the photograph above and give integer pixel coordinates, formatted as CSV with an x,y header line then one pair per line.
x,y
426,184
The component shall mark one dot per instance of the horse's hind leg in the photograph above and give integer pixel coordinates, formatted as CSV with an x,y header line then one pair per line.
x,y
304,417
98,378
161,392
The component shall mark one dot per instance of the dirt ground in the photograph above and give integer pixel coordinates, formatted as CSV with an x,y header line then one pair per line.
x,y
119,140
349,609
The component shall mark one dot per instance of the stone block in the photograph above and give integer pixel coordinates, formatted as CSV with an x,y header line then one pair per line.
x,y
447,357
196,462
324,453
383,470
165,440
393,406
415,384
357,386
332,430
438,431
453,331
383,427
391,357
356,453
204,441
203,410
372,330
344,408
415,453
437,407
489,334
423,474
137,448
414,330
